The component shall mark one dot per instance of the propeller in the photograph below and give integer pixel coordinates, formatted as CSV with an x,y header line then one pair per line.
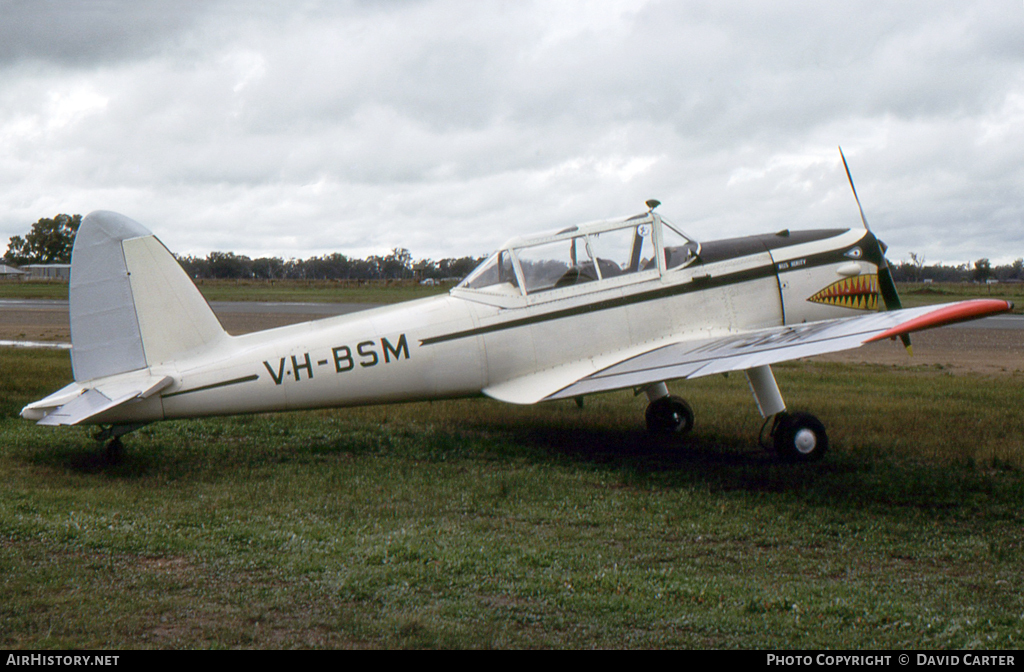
x,y
886,285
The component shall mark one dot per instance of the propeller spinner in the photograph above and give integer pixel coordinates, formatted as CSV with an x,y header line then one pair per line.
x,y
886,285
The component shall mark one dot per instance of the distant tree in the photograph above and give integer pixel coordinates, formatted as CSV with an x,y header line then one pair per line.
x,y
458,268
982,270
917,263
196,267
398,264
1017,269
49,242
268,268
425,268
229,265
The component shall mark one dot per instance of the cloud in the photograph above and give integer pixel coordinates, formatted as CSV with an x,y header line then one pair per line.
x,y
446,126
81,34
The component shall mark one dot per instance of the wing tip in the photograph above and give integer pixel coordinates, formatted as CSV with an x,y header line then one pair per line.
x,y
946,314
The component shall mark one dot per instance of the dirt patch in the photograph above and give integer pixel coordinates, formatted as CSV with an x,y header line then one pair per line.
x,y
989,351
34,325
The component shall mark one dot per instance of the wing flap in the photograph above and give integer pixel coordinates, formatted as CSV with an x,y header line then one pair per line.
x,y
536,386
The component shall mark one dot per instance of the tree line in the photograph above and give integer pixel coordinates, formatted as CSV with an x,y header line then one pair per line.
x,y
982,270
50,241
398,265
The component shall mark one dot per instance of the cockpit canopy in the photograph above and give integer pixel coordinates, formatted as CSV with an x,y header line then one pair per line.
x,y
638,246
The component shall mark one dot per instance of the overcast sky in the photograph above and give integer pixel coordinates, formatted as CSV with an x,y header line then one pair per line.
x,y
301,128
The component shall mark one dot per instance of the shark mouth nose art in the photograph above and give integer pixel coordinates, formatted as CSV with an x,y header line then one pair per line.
x,y
860,293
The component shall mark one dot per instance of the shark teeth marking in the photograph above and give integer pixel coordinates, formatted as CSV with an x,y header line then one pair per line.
x,y
859,293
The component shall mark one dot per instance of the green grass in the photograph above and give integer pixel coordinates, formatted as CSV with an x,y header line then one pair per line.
x,y
324,291
914,294
33,290
473,524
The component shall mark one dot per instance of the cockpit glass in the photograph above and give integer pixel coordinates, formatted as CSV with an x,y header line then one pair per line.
x,y
626,250
496,274
558,264
679,248
583,254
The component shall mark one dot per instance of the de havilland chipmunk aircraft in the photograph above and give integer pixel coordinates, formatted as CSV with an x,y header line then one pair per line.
x,y
623,303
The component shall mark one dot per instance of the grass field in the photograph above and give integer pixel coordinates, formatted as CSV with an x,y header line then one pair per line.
x,y
473,524
917,294
325,291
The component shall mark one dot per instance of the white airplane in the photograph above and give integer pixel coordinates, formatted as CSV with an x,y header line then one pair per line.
x,y
623,303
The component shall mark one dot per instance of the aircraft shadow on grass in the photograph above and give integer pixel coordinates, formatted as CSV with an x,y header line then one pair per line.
x,y
711,463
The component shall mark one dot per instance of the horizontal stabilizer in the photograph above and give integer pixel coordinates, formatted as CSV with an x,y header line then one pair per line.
x,y
77,403
85,406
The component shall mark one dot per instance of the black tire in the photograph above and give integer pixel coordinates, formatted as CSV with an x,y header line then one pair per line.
x,y
669,416
800,437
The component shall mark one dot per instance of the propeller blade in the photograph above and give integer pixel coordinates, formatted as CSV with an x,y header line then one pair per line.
x,y
887,288
886,285
855,197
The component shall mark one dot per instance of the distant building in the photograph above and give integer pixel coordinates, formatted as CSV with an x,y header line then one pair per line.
x,y
10,272
419,270
60,272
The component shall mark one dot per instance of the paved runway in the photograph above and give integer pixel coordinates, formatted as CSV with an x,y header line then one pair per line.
x,y
996,322
44,320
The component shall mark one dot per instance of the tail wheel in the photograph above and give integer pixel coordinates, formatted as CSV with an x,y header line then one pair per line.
x,y
669,416
800,437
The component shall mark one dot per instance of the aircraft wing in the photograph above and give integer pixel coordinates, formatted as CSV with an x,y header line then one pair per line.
x,y
703,356
79,402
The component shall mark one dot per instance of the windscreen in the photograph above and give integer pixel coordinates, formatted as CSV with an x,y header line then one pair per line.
x,y
494,274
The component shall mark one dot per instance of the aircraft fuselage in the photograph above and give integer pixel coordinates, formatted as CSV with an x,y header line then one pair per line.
x,y
460,344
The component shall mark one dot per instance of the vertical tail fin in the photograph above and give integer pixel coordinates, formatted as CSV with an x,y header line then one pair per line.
x,y
131,304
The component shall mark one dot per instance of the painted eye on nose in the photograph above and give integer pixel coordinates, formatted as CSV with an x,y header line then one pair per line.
x,y
854,253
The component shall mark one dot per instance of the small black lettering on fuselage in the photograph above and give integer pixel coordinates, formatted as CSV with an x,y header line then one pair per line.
x,y
796,263
367,354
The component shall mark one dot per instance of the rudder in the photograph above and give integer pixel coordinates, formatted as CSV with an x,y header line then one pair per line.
x,y
131,304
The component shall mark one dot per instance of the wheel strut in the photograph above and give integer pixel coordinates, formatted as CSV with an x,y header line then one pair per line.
x,y
766,390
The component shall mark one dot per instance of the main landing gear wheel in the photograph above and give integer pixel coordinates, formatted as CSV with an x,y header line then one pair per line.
x,y
799,437
669,416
